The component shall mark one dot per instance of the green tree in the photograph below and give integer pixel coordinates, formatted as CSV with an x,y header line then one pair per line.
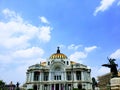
x,y
2,84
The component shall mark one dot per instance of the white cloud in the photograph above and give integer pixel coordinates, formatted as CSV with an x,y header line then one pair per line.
x,y
103,70
61,46
89,49
74,47
18,62
44,20
33,52
17,32
77,56
14,75
19,70
5,59
44,33
7,33
116,54
99,71
12,15
104,5
16,45
118,3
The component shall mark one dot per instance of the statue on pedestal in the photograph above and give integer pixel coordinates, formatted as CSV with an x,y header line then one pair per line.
x,y
94,83
17,86
113,67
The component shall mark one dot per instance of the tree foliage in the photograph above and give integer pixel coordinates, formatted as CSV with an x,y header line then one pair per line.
x,y
2,84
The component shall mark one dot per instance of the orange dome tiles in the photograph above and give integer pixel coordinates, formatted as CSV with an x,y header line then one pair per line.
x,y
58,56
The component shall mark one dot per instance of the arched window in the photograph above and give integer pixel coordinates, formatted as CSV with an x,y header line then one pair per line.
x,y
67,63
48,63
57,68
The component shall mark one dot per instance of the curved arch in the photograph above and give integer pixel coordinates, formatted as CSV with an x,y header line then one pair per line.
x,y
57,65
57,71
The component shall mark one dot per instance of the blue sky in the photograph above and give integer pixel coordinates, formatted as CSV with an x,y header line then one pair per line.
x,y
87,31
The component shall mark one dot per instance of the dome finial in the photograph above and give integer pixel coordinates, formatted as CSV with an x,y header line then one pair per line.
x,y
58,51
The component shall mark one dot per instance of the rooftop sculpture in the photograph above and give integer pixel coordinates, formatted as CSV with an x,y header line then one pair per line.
x,y
113,67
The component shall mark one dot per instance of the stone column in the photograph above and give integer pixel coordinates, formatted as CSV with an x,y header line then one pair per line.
x,y
62,76
65,76
28,77
42,87
41,76
50,86
59,87
74,76
32,76
63,86
38,87
54,86
67,87
82,75
85,76
50,76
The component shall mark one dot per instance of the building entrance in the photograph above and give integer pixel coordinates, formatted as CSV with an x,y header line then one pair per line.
x,y
57,87
35,87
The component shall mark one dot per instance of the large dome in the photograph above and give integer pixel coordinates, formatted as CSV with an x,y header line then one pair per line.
x,y
58,55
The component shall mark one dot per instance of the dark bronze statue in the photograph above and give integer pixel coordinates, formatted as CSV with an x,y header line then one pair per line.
x,y
113,67
94,83
17,86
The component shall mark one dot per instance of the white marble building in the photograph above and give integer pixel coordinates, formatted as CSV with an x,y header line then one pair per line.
x,y
58,73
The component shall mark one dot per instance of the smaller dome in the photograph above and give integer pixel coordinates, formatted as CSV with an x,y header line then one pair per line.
x,y
58,55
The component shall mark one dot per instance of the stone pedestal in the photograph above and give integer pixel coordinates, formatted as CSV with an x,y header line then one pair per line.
x,y
115,83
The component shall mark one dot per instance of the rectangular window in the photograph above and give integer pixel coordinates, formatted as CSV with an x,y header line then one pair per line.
x,y
36,76
69,76
78,75
58,77
54,77
46,74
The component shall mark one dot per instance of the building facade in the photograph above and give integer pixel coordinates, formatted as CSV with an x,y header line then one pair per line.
x,y
58,73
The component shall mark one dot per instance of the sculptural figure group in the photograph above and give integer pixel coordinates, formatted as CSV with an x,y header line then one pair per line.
x,y
113,67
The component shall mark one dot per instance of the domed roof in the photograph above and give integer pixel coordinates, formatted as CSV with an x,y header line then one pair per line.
x,y
58,55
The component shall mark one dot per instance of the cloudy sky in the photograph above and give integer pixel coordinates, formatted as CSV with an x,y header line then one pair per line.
x,y
87,31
